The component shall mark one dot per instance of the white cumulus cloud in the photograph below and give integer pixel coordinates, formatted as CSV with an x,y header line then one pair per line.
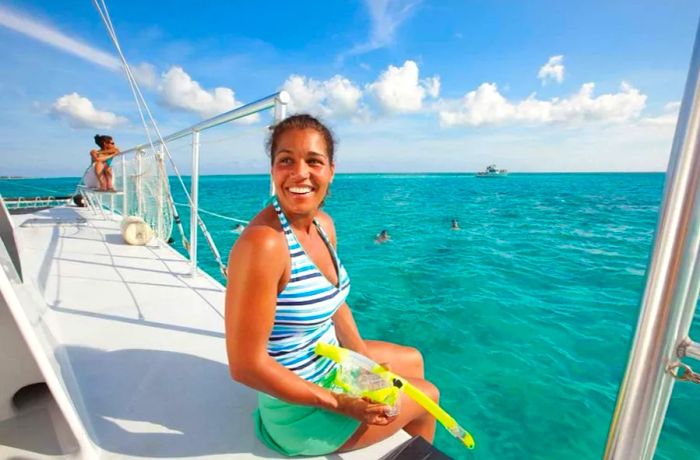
x,y
80,112
552,70
398,89
336,97
178,90
486,105
432,86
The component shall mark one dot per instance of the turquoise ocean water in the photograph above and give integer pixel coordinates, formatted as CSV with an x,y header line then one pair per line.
x,y
525,315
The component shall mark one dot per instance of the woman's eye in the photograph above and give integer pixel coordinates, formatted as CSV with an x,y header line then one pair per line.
x,y
285,161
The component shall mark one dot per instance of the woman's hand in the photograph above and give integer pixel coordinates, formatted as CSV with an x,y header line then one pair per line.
x,y
364,410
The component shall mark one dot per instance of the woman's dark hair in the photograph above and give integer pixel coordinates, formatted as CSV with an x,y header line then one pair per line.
x,y
300,121
101,139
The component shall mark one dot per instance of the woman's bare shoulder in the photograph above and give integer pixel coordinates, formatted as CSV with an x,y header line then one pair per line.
x,y
260,251
263,234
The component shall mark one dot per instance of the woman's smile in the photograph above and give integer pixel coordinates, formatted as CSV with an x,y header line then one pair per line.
x,y
304,190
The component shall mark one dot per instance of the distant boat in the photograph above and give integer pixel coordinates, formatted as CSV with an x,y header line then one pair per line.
x,y
492,171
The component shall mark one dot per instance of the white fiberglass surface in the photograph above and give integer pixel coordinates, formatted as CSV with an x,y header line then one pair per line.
x,y
139,342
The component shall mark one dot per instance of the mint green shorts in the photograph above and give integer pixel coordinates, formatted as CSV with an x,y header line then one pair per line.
x,y
293,429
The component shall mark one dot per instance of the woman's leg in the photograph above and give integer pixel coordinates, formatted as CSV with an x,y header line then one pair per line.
x,y
412,418
109,178
404,361
99,172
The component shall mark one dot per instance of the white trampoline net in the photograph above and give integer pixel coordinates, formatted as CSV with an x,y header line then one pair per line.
x,y
142,190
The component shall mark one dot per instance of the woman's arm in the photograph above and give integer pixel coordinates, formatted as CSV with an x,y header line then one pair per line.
x,y
110,152
256,265
104,154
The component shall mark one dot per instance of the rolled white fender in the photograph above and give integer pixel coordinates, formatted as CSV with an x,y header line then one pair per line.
x,y
135,231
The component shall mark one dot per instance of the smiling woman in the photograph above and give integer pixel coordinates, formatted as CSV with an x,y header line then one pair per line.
x,y
302,161
286,292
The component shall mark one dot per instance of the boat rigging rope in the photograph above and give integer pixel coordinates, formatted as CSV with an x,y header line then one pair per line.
x,y
104,13
232,219
140,100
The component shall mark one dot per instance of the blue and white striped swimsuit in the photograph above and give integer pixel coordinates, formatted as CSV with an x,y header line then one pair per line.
x,y
305,308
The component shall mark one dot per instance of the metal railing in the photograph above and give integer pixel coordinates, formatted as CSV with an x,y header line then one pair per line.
x,y
36,201
668,305
277,101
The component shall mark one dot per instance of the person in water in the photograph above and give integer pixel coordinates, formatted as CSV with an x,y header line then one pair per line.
x,y
455,224
102,162
238,228
286,292
382,237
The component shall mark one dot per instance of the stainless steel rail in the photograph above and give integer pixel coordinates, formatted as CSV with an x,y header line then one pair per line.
x,y
278,101
249,109
671,291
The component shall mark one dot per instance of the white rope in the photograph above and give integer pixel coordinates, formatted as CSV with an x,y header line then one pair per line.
x,y
221,216
134,84
135,90
108,23
140,100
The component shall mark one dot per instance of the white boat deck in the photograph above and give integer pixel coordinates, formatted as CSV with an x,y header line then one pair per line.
x,y
137,346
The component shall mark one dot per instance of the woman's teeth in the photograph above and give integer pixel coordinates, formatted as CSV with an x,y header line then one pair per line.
x,y
300,190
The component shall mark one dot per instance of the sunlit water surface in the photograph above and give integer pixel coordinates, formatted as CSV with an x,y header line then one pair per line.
x,y
524,315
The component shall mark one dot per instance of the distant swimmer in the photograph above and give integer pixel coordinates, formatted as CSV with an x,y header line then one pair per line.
x,y
239,228
382,237
455,224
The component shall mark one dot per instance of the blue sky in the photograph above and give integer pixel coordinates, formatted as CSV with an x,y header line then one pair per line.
x,y
407,86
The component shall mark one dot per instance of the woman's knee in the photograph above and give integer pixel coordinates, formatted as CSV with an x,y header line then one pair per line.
x,y
429,389
415,359
405,361
417,356
434,393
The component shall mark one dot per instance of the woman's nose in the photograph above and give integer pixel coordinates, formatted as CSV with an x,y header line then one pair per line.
x,y
301,169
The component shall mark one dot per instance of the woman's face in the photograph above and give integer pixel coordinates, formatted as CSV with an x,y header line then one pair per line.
x,y
301,171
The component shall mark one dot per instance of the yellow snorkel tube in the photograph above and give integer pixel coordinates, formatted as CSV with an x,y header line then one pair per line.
x,y
349,358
